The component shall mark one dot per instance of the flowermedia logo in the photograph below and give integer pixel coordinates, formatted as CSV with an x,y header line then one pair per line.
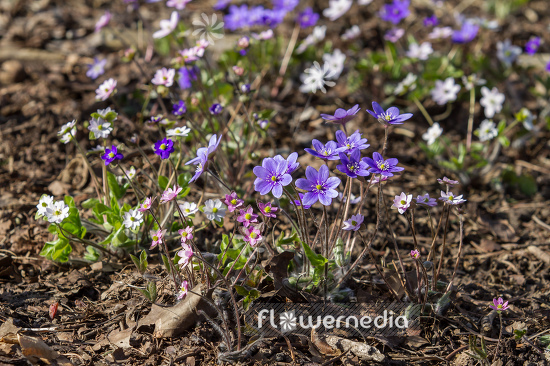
x,y
209,29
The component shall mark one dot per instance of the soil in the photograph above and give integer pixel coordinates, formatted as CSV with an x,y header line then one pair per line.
x,y
43,54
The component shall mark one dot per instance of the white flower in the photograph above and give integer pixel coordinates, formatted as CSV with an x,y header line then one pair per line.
x,y
66,128
402,202
167,26
178,131
263,36
433,133
57,212
103,112
315,78
100,128
351,33
214,210
133,219
445,91
105,90
44,203
406,85
337,8
164,77
188,208
316,36
487,130
526,117
507,53
178,4
209,29
492,101
364,2
335,62
131,173
471,81
421,52
66,138
441,32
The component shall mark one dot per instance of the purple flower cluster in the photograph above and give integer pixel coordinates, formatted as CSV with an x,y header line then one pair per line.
x,y
242,16
396,11
179,108
307,18
274,174
465,34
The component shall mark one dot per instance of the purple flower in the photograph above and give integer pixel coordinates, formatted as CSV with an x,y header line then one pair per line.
x,y
326,152
157,237
396,11
297,202
354,223
353,166
186,76
390,116
499,305
465,34
415,254
548,66
103,21
215,109
394,34
447,181
273,18
532,46
179,108
426,200
380,166
233,201
146,205
451,199
164,148
111,155
307,18
431,21
319,186
170,193
200,161
252,235
341,116
186,253
237,17
247,216
402,202
354,141
96,69
221,4
272,176
287,5
156,119
291,163
266,209
178,4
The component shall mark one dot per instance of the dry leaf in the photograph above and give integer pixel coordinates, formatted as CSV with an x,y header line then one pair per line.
x,y
36,350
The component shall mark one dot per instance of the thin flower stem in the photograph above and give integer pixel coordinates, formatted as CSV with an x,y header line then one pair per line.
x,y
499,337
131,183
245,265
92,173
471,118
442,248
431,255
423,111
88,242
215,175
148,161
386,134
237,259
177,280
343,218
431,222
299,217
326,254
339,211
459,251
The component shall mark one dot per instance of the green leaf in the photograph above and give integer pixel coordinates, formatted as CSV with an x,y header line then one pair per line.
x,y
69,201
152,289
143,261
163,182
90,203
115,189
136,262
57,250
241,290
317,260
166,264
92,254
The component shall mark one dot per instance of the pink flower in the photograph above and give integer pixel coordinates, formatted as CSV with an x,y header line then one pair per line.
x,y
247,216
451,199
185,255
266,209
157,237
183,290
252,235
178,4
447,181
146,205
164,77
233,201
402,202
167,26
186,234
192,54
499,305
239,71
103,21
170,194
202,43
106,89
415,254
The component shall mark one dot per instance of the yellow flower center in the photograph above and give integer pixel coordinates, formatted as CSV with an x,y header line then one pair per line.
x,y
273,178
155,238
267,209
354,223
248,216
233,201
253,235
403,202
163,147
382,166
132,218
111,155
215,209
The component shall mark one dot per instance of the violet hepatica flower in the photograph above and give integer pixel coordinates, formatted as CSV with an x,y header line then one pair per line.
x,y
103,21
354,223
215,109
272,176
291,163
111,155
299,204
167,26
319,186
170,194
106,89
351,143
451,199
266,209
390,117
329,151
402,202
380,166
164,77
96,69
178,4
157,237
532,46
507,53
426,200
394,34
179,108
307,18
233,201
499,305
395,11
447,181
164,148
247,216
431,21
465,34
341,116
353,166
200,161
